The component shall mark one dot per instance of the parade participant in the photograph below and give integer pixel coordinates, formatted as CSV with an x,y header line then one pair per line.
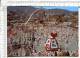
x,y
39,53
34,53
63,52
75,53
22,51
67,53
54,53
71,53
28,51
59,53
50,53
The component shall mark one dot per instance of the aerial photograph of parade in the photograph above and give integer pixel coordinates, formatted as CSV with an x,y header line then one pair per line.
x,y
40,31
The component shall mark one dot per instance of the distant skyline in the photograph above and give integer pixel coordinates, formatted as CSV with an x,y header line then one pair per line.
x,y
70,8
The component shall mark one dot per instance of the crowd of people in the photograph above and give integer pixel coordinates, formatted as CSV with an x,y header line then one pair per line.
x,y
25,51
20,45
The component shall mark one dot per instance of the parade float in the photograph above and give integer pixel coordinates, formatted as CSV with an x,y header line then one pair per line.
x,y
52,44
